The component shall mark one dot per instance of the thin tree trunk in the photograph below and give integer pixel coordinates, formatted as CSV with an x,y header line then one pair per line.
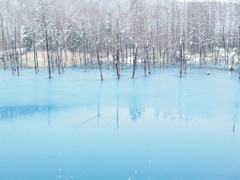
x,y
26,57
145,62
15,49
59,64
239,46
122,53
181,58
224,46
12,58
8,47
34,52
3,44
52,59
48,58
184,58
61,60
85,59
154,60
117,62
37,61
126,48
134,60
113,56
99,63
108,58
148,60
118,53
130,55
66,56
20,50
145,67
80,57
43,56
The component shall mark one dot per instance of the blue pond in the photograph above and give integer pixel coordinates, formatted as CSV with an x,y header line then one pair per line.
x,y
160,127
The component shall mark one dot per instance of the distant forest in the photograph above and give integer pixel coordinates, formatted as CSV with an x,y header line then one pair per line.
x,y
114,35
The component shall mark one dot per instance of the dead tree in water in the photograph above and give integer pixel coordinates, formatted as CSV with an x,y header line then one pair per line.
x,y
15,48
35,53
181,57
126,55
238,43
224,46
134,60
145,63
108,60
3,43
20,48
184,58
117,63
154,61
85,57
148,61
48,57
61,60
113,57
12,58
122,52
5,37
239,49
99,63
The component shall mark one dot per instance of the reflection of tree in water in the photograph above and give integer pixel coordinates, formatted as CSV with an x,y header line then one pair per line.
x,y
135,113
7,112
172,116
156,114
235,116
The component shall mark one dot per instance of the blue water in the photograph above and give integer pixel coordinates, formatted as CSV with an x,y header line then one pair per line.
x,y
160,127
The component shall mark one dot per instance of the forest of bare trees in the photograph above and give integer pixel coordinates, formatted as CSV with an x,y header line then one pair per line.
x,y
59,34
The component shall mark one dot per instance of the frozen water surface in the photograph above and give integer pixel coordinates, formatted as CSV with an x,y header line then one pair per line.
x,y
160,127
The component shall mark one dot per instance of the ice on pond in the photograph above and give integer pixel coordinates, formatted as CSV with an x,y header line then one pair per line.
x,y
71,125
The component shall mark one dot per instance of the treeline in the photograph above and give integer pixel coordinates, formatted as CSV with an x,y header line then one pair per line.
x,y
153,35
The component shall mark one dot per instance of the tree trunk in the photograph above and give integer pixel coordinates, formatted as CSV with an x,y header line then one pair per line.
x,y
126,48
12,58
37,61
148,60
134,60
154,60
52,59
122,53
113,56
181,58
99,63
117,62
85,60
20,50
34,53
108,58
130,54
15,50
184,58
239,45
118,53
145,67
48,58
61,60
